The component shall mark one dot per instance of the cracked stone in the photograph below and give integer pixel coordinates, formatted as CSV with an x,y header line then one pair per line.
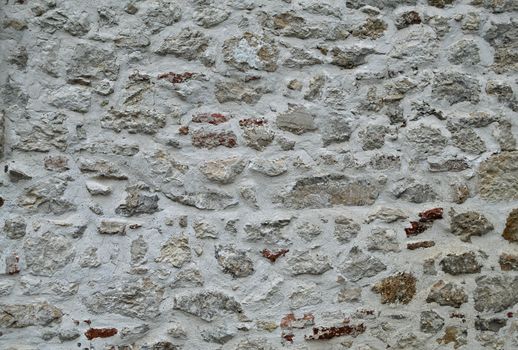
x,y
176,251
457,264
234,261
469,224
207,304
449,294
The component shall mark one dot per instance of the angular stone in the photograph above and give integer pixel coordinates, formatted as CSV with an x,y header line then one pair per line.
x,y
97,189
449,294
384,240
496,6
90,62
431,322
296,119
466,139
508,262
455,87
111,227
234,261
491,324
349,295
380,4
138,251
458,335
134,121
468,224
211,139
189,44
388,215
269,167
511,227
256,133
332,190
73,98
373,136
209,16
204,229
440,3
207,304
47,254
308,231
399,288
159,15
336,129
251,51
453,165
465,52
138,298
249,194
26,315
426,141
176,251
498,176
242,90
206,200
15,227
495,293
269,231
406,19
351,57
219,334
101,168
414,48
223,171
359,265
137,203
415,192
306,262
457,264
254,344
300,58
89,258
372,28
188,278
47,133
346,229
305,295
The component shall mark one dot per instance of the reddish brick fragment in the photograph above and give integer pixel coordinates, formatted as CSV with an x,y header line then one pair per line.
x,y
416,227
422,244
274,256
290,321
93,333
324,333
176,78
510,314
252,122
206,139
431,215
210,118
288,336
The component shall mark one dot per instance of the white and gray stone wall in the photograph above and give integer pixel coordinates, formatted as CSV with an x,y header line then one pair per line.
x,y
258,174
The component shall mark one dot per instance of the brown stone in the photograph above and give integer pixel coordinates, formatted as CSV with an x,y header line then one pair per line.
x,y
399,288
511,227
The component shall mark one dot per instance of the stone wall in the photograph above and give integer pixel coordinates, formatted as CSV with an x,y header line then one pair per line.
x,y
259,174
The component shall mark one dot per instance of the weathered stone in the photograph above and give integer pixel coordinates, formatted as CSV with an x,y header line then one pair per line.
x,y
223,171
138,251
134,121
256,133
457,335
251,51
176,251
219,335
415,192
207,304
508,262
90,62
399,288
496,6
73,98
188,43
205,200
269,167
188,278
335,129
331,190
372,28
111,227
511,227
254,344
26,315
234,261
161,14
204,229
308,231
247,91
431,322
268,231
468,224
138,298
349,295
466,139
453,165
426,141
346,229
406,19
137,203
503,133
15,227
384,240
305,295
46,133
359,265
300,58
498,176
211,139
101,168
465,52
249,194
373,136
388,215
455,87
491,325
210,16
306,262
297,120
457,264
449,294
47,254
414,48
89,258
350,58
495,293
97,189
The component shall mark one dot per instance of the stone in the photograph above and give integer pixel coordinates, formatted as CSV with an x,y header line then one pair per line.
x,y
508,262
384,240
101,168
306,262
372,28
406,19
112,227
359,265
495,293
491,325
457,335
300,57
511,227
466,139
426,141
497,177
138,251
332,190
209,16
297,120
253,344
415,47
205,200
15,227
431,322
47,254
97,189
189,44
218,335
234,261
447,293
256,133
207,304
398,288
137,203
503,134
223,171
138,298
457,264
336,129
249,194
247,91
251,51
27,315
346,229
387,214
351,57
89,258
449,165
373,136
188,278
455,87
469,224
465,52
212,139
133,121
269,167
73,98
349,295
47,133
159,15
305,295
176,251
308,231
90,63
415,192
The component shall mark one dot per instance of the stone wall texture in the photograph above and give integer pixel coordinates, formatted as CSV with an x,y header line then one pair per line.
x,y
258,174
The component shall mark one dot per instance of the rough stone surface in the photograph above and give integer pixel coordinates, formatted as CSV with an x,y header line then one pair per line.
x,y
258,174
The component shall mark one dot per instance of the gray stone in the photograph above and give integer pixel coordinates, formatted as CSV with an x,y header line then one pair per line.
x,y
206,200
308,231
465,52
188,278
248,193
350,58
453,165
414,48
306,262
447,293
457,264
257,134
455,87
138,298
176,251
305,295
137,203
359,265
296,119
73,98
112,227
218,335
161,14
300,58
373,136
346,229
388,215
332,190
239,90
15,227
46,133
223,171
466,139
415,192
26,315
254,344
503,133
495,293
189,44
209,16
491,324
47,254
138,251
498,176
101,168
234,261
89,258
250,51
431,322
90,62
269,231
97,189
384,240
349,295
335,129
468,224
134,121
269,167
207,304
204,229
426,141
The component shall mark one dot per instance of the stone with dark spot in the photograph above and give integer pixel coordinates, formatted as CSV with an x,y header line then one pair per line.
x,y
251,51
508,262
297,120
458,264
431,322
234,261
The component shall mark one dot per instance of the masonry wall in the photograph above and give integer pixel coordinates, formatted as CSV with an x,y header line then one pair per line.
x,y
259,174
